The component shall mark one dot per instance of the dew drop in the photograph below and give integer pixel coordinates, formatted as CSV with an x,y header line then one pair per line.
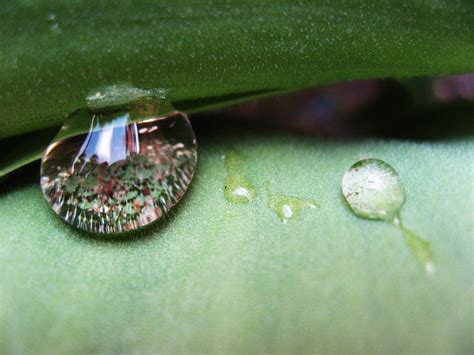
x,y
420,248
373,190
114,169
287,207
237,187
53,22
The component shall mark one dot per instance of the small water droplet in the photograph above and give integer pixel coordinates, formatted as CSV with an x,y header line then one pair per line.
x,y
287,207
114,169
53,22
237,187
420,248
373,190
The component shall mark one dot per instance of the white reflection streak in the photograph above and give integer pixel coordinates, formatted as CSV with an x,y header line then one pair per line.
x,y
103,143
84,145
136,139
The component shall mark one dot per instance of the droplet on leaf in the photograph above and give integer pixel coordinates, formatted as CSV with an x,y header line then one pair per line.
x,y
237,187
287,207
420,248
53,22
373,190
117,168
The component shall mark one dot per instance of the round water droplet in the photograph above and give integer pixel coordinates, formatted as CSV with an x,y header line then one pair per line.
x,y
113,170
373,190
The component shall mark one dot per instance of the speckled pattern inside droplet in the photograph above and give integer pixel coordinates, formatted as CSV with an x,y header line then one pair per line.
x,y
123,173
373,190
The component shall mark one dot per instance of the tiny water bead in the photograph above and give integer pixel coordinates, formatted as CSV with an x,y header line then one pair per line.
x,y
421,248
374,190
115,169
237,187
53,22
287,207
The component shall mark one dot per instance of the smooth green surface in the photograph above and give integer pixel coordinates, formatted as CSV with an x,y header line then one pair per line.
x,y
222,277
54,54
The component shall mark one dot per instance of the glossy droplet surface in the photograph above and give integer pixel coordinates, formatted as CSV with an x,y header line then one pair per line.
x,y
115,170
373,190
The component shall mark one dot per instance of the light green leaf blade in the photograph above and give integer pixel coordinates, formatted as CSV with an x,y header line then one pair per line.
x,y
222,277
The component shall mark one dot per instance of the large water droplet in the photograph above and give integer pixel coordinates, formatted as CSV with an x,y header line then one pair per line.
x,y
115,169
373,190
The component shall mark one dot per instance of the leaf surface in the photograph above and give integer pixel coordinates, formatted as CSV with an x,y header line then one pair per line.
x,y
223,277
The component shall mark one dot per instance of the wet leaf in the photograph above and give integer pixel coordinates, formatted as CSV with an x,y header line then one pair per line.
x,y
217,276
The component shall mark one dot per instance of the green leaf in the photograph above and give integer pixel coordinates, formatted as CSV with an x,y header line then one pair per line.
x,y
218,277
221,277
